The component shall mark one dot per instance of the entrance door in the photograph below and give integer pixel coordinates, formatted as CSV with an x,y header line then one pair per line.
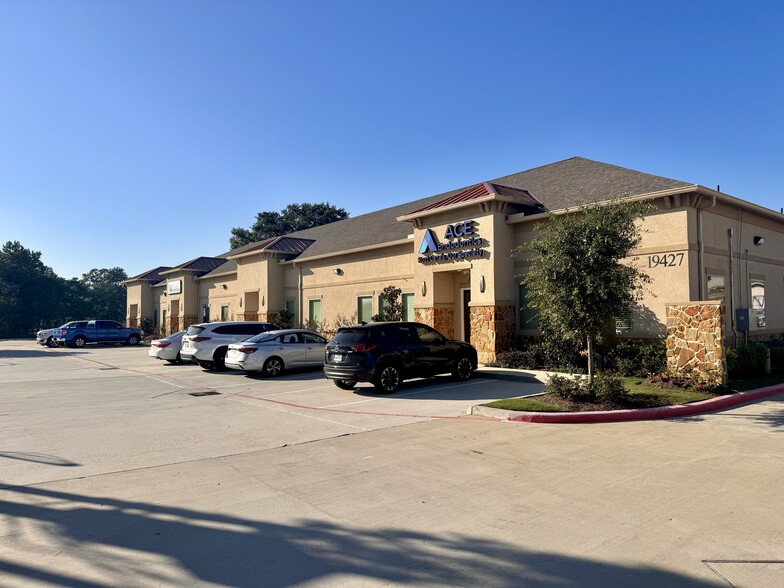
x,y
466,316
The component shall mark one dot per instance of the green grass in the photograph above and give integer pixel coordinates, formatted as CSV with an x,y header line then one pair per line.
x,y
637,387
525,404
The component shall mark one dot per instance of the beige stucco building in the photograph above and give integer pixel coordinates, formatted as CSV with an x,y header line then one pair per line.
x,y
450,254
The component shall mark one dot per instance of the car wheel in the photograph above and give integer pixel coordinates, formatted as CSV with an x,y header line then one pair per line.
x,y
388,379
133,340
464,367
272,367
345,384
205,365
50,342
219,359
79,342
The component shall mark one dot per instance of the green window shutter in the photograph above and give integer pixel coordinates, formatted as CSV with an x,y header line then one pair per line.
x,y
408,307
529,317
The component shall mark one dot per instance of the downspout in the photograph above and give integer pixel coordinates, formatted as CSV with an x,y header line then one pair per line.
x,y
732,291
299,293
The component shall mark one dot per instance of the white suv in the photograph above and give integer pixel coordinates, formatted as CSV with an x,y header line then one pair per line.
x,y
207,343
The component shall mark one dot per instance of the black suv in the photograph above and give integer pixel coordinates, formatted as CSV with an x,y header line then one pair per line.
x,y
388,353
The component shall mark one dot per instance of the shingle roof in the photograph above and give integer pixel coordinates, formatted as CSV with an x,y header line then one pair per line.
x,y
199,264
564,184
153,275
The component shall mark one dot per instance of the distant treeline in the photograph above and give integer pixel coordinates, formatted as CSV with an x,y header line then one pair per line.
x,y
33,297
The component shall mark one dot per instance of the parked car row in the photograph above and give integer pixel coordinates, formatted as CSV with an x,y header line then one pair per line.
x,y
80,333
384,354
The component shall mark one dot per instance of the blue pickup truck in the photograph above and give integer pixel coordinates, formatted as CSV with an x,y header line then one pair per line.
x,y
83,333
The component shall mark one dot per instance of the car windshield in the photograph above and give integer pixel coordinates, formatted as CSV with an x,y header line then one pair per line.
x,y
260,337
350,336
194,330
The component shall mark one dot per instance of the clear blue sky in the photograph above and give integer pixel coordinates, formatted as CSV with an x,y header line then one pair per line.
x,y
138,133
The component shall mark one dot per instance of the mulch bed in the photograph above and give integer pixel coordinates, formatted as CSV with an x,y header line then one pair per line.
x,y
633,402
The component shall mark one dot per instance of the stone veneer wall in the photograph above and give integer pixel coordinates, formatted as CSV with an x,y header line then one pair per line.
x,y
695,340
491,330
441,318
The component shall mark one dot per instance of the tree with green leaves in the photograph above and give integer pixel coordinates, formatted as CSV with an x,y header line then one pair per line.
x,y
579,277
106,292
390,305
295,217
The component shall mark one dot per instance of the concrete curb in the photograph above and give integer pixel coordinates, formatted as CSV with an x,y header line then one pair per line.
x,y
641,414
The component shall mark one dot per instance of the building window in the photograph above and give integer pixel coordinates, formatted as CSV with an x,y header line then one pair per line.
x,y
291,306
623,322
314,311
529,317
364,309
224,313
408,306
715,288
757,318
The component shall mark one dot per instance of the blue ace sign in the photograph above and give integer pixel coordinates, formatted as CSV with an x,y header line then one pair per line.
x,y
462,229
460,236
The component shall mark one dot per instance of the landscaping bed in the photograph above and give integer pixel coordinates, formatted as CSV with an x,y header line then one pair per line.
x,y
639,395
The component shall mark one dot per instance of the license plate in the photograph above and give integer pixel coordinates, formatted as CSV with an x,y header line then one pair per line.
x,y
232,353
338,357
186,344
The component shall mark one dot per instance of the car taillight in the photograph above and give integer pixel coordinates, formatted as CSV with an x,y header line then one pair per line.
x,y
363,348
247,350
200,339
162,345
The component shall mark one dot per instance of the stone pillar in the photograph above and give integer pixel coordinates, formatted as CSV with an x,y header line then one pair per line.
x,y
491,330
695,340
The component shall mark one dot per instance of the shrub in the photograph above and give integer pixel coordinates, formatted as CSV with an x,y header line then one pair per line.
x,y
630,359
746,361
566,387
146,326
610,388
285,318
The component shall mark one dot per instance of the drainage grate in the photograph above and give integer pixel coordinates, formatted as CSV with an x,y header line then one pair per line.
x,y
207,393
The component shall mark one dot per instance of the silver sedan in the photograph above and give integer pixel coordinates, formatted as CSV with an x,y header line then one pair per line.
x,y
274,351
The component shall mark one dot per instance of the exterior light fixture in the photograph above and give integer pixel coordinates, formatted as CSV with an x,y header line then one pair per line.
x,y
482,284
337,271
240,302
262,299
424,288
225,287
759,240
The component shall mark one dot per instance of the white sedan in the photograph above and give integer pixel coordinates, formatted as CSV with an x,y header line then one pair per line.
x,y
167,348
274,351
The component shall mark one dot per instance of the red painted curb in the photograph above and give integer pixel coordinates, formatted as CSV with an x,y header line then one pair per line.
x,y
647,414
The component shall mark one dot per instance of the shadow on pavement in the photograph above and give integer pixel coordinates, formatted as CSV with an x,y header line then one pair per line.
x,y
27,353
116,537
38,458
446,388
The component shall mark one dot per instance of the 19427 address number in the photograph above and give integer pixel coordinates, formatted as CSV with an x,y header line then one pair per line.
x,y
665,259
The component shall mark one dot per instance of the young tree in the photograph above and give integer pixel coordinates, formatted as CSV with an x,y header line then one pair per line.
x,y
390,305
578,279
295,217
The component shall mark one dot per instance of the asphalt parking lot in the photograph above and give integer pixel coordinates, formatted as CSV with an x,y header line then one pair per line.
x,y
112,473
